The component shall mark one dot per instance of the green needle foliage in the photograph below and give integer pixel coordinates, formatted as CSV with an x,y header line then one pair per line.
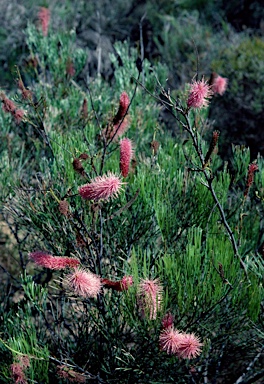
x,y
180,221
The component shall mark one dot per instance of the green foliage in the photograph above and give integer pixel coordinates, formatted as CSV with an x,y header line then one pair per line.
x,y
176,220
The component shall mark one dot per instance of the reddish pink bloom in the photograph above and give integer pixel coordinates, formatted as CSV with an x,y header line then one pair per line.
x,y
8,105
219,85
189,346
26,93
70,70
199,93
84,283
170,340
18,115
117,130
44,18
121,285
167,321
18,375
45,260
123,107
102,187
69,374
150,297
126,153
252,168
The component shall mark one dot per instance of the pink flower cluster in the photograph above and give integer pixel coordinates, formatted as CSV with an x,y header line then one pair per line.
x,y
18,368
45,260
44,18
174,342
101,188
150,297
252,168
183,345
199,94
126,153
10,107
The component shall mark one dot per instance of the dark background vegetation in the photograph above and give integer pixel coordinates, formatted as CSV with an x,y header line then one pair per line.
x,y
228,36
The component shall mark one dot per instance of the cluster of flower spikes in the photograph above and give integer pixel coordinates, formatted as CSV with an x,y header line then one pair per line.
x,y
81,281
180,344
9,106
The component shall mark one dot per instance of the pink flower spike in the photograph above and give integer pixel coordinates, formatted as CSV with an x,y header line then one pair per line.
x,y
123,107
18,115
190,346
150,297
170,340
8,105
167,321
44,18
126,282
219,85
199,93
126,153
102,187
53,262
84,283
18,374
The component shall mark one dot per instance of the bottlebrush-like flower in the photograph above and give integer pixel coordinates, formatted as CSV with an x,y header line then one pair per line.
x,y
150,297
26,93
69,374
45,260
252,168
18,115
121,285
219,84
123,107
199,93
70,70
189,346
117,130
17,369
64,207
126,153
44,18
84,283
167,321
101,187
170,340
8,105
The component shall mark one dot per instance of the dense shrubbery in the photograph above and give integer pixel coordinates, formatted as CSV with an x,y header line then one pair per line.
x,y
182,217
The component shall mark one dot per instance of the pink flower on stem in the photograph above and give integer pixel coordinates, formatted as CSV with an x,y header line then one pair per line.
x,y
170,340
183,345
167,321
102,187
18,115
150,297
126,153
121,285
219,84
199,93
84,283
8,105
45,260
252,168
190,346
44,18
17,369
123,107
